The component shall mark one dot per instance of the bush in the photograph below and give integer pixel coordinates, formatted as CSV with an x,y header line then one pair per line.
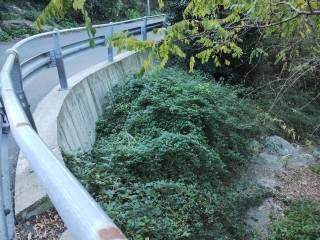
x,y
165,154
132,13
115,10
30,15
8,16
4,36
302,221
18,32
173,106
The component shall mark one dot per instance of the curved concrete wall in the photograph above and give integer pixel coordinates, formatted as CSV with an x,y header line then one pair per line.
x,y
84,103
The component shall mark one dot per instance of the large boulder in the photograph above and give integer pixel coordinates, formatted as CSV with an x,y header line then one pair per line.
x,y
279,146
15,9
316,153
10,8
299,160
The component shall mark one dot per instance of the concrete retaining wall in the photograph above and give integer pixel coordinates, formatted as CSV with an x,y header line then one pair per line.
x,y
84,104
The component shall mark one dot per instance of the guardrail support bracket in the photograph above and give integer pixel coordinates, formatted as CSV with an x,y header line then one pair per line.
x,y
16,77
144,31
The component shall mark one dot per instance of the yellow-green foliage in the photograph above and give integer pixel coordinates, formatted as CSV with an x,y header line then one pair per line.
x,y
59,7
216,27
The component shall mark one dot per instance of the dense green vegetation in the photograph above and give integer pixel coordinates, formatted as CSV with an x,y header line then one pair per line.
x,y
168,155
17,17
302,221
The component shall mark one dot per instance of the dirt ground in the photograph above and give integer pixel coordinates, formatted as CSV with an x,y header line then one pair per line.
x,y
47,226
299,183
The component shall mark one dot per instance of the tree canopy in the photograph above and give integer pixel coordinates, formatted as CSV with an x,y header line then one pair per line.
x,y
216,28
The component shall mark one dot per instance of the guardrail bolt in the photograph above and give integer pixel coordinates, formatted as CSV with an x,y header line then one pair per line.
x,y
59,60
52,59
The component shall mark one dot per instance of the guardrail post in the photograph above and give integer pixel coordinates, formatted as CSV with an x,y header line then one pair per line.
x,y
144,28
148,3
59,60
109,39
7,219
165,21
18,87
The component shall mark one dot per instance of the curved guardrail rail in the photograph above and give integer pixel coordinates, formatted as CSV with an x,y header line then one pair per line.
x,y
81,214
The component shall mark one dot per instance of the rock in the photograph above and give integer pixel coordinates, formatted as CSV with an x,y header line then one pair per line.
x,y
263,168
10,8
316,153
300,160
15,9
260,218
25,36
8,24
279,146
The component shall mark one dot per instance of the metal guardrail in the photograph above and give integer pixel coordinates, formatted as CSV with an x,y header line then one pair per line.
x,y
79,211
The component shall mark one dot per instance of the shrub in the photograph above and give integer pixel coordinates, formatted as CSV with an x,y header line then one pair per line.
x,y
165,151
132,13
102,10
8,16
4,36
302,221
18,32
204,116
30,15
